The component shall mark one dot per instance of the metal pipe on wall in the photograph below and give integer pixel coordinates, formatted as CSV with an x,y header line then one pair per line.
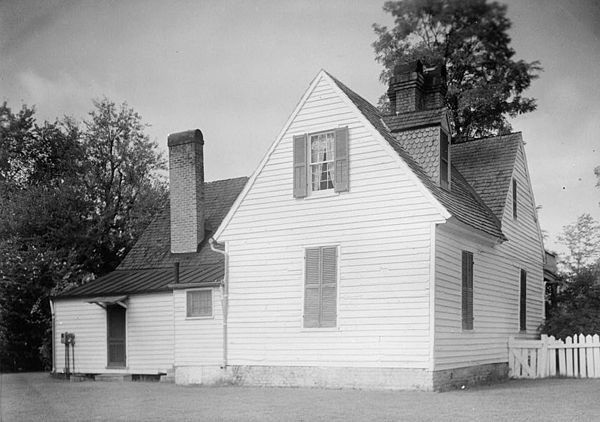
x,y
224,296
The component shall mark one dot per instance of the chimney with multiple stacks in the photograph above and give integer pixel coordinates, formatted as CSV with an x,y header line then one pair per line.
x,y
186,190
415,87
417,94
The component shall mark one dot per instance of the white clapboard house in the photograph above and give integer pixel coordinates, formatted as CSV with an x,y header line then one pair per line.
x,y
366,250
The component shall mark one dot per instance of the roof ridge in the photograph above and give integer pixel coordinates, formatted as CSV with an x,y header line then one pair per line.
x,y
488,138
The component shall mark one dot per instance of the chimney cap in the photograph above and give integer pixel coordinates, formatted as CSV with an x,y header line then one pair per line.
x,y
186,137
405,68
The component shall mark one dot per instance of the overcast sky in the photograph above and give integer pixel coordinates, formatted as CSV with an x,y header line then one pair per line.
x,y
236,70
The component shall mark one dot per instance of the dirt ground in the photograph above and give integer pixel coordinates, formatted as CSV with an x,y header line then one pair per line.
x,y
37,397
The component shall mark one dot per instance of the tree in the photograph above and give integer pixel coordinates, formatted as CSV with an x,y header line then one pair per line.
x,y
469,37
577,308
123,180
74,199
583,241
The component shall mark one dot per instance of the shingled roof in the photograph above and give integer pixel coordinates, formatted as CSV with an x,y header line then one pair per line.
x,y
148,267
462,201
414,119
487,164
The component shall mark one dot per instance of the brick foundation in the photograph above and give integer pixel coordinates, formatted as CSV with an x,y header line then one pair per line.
x,y
471,375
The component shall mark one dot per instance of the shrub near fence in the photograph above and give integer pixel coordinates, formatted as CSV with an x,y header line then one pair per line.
x,y
577,356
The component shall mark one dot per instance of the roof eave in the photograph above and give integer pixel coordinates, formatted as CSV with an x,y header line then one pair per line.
x,y
164,289
464,229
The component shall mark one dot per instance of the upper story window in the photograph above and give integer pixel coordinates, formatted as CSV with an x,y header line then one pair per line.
x,y
444,160
321,162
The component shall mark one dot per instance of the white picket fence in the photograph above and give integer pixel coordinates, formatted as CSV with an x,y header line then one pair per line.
x,y
577,356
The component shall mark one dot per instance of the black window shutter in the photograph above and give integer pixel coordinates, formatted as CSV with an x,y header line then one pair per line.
x,y
467,290
515,198
523,302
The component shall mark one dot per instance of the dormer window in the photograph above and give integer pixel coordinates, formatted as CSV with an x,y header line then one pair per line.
x,y
444,160
321,162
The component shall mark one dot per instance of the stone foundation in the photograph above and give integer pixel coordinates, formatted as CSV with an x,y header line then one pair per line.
x,y
471,375
205,375
345,377
331,377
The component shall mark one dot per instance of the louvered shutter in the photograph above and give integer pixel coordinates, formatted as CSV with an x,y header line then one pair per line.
x,y
328,286
342,169
523,302
312,287
467,290
300,171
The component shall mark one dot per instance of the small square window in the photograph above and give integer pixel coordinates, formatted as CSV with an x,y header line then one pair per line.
x,y
199,303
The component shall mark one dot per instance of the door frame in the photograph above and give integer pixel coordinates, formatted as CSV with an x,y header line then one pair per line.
x,y
116,365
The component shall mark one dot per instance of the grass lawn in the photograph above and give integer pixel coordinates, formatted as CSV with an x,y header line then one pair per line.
x,y
37,397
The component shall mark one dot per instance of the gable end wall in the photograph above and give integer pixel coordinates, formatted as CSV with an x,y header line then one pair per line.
x,y
382,227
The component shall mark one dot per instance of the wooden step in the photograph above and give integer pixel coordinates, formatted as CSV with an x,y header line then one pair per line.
x,y
113,377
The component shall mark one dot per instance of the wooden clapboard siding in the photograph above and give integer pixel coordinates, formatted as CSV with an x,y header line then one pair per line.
x,y
88,322
382,228
150,332
199,341
496,281
149,335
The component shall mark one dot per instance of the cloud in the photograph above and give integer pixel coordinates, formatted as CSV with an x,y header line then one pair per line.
x,y
21,21
63,95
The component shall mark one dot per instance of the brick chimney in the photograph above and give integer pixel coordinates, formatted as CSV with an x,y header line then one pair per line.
x,y
413,88
186,186
416,87
406,87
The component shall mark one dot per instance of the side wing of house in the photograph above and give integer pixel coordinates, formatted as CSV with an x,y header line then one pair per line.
x,y
198,335
332,284
487,291
147,332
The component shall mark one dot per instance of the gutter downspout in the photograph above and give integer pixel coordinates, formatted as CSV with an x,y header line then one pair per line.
x,y
224,296
53,335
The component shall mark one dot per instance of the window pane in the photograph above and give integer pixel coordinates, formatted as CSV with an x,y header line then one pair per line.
x,y
322,147
199,303
322,176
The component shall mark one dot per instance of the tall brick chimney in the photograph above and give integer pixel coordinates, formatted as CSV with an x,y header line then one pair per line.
x,y
186,190
417,87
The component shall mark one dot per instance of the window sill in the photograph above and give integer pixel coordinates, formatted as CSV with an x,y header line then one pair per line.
x,y
329,193
320,330
195,318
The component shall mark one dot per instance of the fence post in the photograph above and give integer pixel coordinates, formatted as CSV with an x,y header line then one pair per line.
x,y
511,359
542,369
